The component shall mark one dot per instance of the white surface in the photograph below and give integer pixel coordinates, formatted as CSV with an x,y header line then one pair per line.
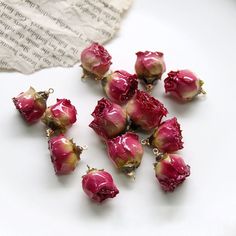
x,y
199,35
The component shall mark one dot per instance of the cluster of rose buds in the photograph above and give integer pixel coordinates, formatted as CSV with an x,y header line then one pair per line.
x,y
127,108
115,120
120,86
57,118
65,154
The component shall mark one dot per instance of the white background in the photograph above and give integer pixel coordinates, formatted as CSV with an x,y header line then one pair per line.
x,y
198,35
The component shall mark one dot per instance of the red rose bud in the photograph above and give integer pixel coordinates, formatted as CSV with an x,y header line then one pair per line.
x,y
149,67
64,154
109,119
99,185
183,84
126,152
31,104
95,61
60,116
145,111
167,137
171,171
120,86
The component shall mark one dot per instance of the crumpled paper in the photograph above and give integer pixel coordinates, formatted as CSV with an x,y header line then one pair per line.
x,y
37,34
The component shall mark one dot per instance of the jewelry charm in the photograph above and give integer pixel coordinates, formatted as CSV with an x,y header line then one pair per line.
x,y
99,185
32,104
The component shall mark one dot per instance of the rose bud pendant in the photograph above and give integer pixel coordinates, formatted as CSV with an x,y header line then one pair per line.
x,y
110,119
149,67
32,104
95,61
120,86
99,185
183,85
59,117
167,137
171,171
65,155
125,152
145,111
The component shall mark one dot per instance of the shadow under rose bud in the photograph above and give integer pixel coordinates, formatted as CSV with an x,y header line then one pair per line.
x,y
65,154
171,171
95,61
183,85
126,152
99,185
120,86
167,137
31,104
110,119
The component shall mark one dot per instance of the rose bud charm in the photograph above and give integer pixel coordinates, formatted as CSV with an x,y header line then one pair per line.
x,y
109,119
171,171
149,67
65,155
167,137
32,104
125,152
99,185
59,117
120,86
183,84
95,61
145,111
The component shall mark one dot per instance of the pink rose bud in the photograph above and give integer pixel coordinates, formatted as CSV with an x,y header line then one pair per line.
x,y
145,111
171,171
167,137
31,104
109,119
125,152
95,61
149,67
183,84
99,185
64,154
120,86
60,116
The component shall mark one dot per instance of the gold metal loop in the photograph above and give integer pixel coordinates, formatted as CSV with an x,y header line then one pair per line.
x,y
155,151
84,147
50,91
145,142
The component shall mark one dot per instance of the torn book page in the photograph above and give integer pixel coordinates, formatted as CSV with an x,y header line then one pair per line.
x,y
37,34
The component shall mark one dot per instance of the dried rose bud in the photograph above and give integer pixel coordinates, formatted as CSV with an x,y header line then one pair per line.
x,y
109,119
95,60
120,86
126,152
31,104
167,137
150,66
64,154
99,185
183,84
60,116
171,171
145,111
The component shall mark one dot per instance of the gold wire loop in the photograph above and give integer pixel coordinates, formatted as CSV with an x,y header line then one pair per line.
x,y
50,91
155,151
84,147
145,142
149,88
